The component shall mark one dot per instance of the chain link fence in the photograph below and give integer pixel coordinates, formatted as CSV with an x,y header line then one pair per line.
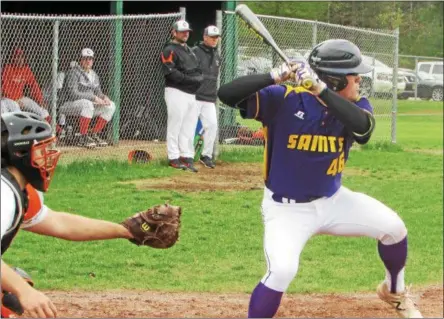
x,y
127,52
244,53
126,59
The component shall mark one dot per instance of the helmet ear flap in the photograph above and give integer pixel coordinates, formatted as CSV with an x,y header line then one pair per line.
x,y
334,82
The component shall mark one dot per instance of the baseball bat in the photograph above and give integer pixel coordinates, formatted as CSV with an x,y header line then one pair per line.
x,y
198,145
261,31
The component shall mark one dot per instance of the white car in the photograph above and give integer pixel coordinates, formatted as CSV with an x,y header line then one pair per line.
x,y
262,63
251,65
381,77
433,68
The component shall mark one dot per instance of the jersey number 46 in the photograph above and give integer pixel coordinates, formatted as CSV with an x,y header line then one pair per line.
x,y
337,165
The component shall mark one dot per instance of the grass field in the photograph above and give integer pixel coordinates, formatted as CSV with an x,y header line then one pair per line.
x,y
221,243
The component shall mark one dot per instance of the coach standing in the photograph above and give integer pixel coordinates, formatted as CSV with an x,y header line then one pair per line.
x,y
206,96
182,80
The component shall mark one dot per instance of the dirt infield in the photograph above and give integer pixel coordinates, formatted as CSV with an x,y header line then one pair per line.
x,y
226,177
132,304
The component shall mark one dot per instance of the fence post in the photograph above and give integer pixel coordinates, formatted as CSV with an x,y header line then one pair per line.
x,y
395,86
55,67
230,59
416,78
372,88
219,51
183,13
315,34
117,69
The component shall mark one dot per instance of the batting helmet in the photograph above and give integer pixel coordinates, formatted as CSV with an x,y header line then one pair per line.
x,y
333,59
26,144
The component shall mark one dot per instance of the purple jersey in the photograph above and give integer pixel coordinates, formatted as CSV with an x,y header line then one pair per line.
x,y
306,147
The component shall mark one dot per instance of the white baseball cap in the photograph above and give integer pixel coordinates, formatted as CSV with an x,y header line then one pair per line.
x,y
212,31
181,26
87,53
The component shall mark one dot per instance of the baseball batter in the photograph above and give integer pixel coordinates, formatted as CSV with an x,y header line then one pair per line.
x,y
308,135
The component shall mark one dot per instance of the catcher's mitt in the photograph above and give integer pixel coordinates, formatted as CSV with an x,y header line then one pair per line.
x,y
139,156
158,227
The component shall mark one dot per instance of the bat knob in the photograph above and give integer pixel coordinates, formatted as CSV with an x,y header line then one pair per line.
x,y
307,83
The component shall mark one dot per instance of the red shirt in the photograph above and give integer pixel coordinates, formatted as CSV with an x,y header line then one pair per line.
x,y
14,80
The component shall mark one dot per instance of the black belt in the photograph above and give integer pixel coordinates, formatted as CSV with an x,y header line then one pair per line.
x,y
287,200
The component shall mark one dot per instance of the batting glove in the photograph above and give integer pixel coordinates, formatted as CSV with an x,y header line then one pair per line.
x,y
306,77
283,73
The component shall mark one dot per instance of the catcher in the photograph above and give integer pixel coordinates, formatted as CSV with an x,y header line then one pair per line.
x,y
22,207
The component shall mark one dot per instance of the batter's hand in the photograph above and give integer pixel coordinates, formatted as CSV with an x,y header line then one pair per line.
x,y
284,72
305,73
36,304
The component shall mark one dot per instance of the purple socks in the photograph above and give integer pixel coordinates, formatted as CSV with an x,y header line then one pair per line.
x,y
264,302
394,258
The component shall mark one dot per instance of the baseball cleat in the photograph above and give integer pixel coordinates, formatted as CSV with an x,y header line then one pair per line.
x,y
98,140
188,162
86,141
177,165
207,162
401,302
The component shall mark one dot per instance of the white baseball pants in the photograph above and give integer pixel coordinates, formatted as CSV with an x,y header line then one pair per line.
x,y
86,108
208,117
29,105
182,122
289,226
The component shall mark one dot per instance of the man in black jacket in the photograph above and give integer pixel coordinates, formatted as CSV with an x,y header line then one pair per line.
x,y
209,62
182,80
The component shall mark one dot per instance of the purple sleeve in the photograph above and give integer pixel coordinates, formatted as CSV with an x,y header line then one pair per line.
x,y
264,104
364,104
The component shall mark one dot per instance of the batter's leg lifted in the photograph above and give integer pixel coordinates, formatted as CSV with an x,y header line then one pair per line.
x,y
350,213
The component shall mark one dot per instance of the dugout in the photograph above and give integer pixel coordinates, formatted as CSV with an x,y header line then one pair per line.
x,y
199,14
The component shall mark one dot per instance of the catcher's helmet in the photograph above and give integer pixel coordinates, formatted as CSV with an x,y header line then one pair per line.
x,y
333,59
26,144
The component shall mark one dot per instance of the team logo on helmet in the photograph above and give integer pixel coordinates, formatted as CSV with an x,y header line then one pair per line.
x,y
315,59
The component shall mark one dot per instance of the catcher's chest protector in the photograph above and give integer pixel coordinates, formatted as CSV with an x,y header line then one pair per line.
x,y
21,204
